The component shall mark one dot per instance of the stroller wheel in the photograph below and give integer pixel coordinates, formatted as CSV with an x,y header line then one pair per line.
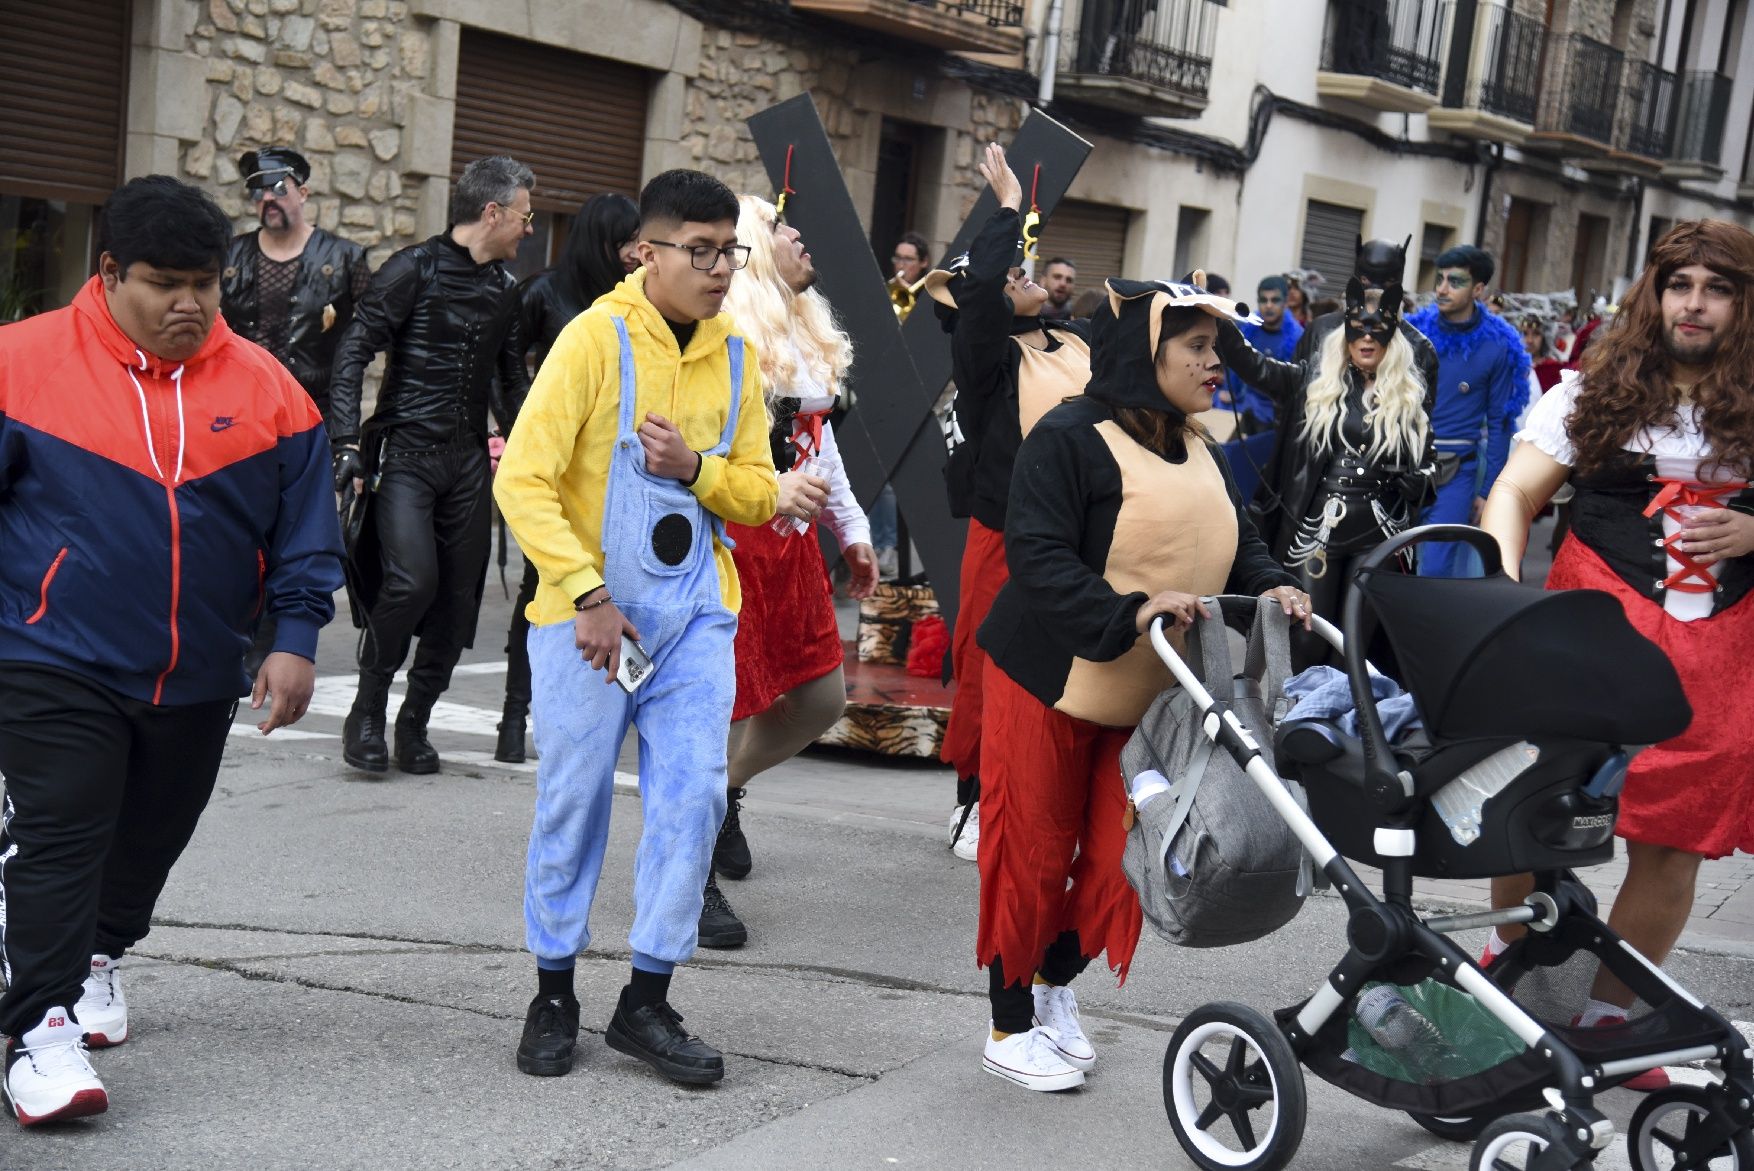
x,y
1459,1128
1233,1090
1515,1143
1666,1133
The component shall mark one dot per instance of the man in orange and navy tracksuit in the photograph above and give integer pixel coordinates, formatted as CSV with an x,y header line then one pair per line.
x,y
164,486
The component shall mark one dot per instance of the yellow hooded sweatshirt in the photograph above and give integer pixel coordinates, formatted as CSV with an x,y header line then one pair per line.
x,y
555,471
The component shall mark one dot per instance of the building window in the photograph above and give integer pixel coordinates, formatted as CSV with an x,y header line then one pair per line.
x,y
1330,243
45,253
1190,239
1434,241
1589,254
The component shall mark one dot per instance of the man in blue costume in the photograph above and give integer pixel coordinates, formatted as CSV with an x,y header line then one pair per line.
x,y
1482,386
1277,337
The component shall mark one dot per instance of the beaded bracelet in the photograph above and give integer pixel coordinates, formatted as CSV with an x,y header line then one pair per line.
x,y
581,606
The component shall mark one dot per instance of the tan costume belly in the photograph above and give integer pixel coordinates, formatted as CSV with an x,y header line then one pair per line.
x,y
1045,378
1176,531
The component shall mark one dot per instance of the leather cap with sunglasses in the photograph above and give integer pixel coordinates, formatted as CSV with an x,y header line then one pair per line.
x,y
269,170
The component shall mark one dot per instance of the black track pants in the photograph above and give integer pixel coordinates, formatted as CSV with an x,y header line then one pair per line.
x,y
102,795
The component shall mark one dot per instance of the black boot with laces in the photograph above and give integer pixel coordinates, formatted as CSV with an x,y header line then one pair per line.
x,y
551,1030
719,925
731,852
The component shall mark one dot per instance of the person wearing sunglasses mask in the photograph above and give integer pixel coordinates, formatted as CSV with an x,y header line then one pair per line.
x,y
289,286
1482,387
445,311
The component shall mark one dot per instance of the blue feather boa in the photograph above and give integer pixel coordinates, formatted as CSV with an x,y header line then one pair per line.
x,y
1451,343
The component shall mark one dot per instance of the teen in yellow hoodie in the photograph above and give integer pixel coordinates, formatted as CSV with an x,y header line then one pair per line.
x,y
644,433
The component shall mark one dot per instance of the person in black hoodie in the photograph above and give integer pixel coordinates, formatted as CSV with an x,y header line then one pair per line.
x,y
600,250
1120,511
1010,366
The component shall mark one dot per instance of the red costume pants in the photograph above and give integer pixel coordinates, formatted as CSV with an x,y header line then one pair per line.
x,y
1051,789
983,573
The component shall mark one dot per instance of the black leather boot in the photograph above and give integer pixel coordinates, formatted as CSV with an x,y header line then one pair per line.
x,y
362,735
510,749
414,752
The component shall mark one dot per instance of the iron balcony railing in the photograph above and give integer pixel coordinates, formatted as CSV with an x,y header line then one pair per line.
x,y
1705,108
1165,44
1647,110
1509,77
1398,41
1581,88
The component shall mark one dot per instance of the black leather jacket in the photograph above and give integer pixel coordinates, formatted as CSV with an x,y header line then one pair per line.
x,y
449,325
332,273
547,310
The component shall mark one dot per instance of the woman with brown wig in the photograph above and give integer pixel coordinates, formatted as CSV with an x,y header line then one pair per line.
x,y
1656,433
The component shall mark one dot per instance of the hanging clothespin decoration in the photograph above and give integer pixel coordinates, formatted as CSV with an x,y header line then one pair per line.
x,y
1032,221
779,205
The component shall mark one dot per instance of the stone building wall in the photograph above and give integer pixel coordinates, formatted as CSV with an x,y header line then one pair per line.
x,y
331,78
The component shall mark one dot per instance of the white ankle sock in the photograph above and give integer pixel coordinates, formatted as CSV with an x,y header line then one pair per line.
x,y
1595,1011
1495,945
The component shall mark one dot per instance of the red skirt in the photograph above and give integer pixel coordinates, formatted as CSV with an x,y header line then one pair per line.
x,y
786,632
1695,792
983,573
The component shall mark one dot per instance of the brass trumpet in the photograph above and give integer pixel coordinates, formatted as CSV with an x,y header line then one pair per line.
x,y
903,295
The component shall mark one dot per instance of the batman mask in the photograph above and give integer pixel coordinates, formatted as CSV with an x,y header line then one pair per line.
x,y
1377,262
1377,322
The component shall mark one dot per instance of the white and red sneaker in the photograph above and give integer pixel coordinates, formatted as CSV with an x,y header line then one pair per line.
x,y
48,1075
1647,1082
102,1009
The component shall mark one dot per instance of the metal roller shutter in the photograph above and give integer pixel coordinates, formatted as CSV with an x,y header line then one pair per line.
x,y
578,121
63,97
1330,241
1093,236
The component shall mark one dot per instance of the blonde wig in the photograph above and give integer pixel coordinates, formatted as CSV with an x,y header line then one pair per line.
x,y
781,325
1396,420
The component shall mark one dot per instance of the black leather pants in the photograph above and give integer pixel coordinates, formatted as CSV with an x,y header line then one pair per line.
x,y
434,526
517,667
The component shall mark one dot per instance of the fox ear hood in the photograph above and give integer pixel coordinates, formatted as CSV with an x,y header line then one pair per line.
x,y
1126,330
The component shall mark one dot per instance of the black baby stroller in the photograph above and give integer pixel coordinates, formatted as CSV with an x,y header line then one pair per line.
x,y
1562,682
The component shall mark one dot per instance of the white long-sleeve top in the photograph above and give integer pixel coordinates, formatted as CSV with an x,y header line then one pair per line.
x,y
845,519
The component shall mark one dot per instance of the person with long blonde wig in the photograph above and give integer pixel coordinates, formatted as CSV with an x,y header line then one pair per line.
x,y
1656,434
790,688
1356,416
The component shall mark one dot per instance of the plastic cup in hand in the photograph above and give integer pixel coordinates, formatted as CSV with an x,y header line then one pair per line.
x,y
791,526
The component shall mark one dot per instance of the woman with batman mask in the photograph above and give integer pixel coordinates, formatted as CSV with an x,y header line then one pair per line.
x,y
1120,511
1355,421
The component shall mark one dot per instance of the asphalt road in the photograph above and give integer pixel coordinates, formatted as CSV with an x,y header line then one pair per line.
x,y
336,980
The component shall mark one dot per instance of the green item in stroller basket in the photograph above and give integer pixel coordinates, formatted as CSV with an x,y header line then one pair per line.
x,y
1425,1034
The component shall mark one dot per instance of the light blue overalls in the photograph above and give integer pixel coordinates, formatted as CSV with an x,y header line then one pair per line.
x,y
658,564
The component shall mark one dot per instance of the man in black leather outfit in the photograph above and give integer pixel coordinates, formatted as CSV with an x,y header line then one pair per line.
x,y
291,287
446,311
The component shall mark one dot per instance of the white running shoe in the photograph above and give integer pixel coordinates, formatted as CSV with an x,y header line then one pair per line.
x,y
1031,1060
1056,1013
967,844
48,1075
102,1009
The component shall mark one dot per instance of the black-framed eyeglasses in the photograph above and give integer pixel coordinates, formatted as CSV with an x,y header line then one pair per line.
x,y
705,257
528,217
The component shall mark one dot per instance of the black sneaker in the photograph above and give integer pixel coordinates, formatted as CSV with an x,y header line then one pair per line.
x,y
719,925
654,1034
551,1029
731,852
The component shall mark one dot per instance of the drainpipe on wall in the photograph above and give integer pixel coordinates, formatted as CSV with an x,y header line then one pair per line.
x,y
1494,159
1050,51
1634,261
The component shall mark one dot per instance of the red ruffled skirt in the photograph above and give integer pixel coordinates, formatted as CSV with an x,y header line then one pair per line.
x,y
1696,791
786,631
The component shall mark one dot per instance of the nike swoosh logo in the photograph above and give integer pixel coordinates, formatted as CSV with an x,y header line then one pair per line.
x,y
222,424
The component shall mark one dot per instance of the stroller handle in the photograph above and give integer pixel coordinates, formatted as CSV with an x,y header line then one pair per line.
x,y
1240,607
1382,771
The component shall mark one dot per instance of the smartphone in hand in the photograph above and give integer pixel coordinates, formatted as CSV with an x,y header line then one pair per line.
x,y
636,665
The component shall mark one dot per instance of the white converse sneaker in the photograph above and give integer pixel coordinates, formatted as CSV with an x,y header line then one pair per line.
x,y
966,845
1056,1013
102,1009
48,1075
1031,1060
